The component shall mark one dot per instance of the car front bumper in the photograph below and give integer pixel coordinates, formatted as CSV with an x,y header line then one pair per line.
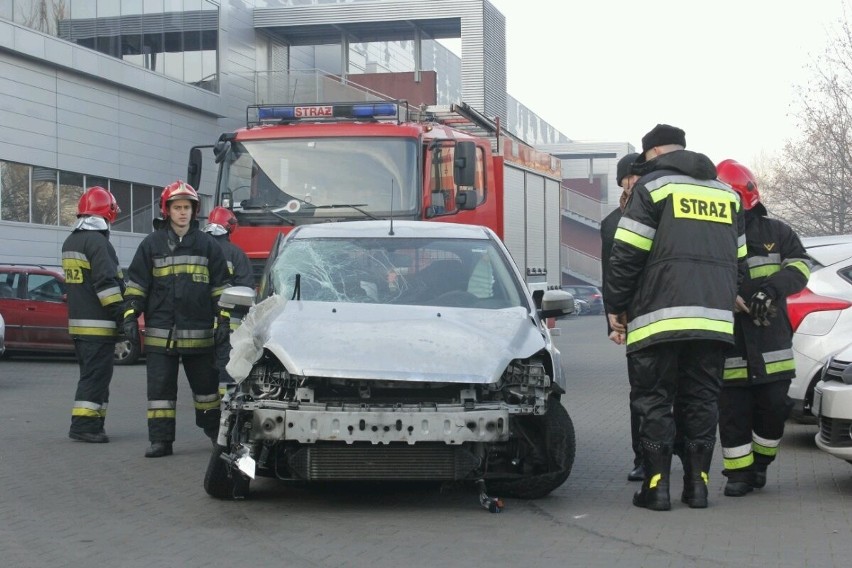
x,y
833,408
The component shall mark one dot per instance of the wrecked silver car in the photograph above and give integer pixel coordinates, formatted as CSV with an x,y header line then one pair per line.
x,y
395,351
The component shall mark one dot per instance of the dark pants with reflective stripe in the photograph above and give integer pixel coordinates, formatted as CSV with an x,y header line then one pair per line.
x,y
162,386
96,362
223,353
745,411
680,377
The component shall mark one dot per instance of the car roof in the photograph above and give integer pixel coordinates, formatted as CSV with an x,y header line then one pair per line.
x,y
401,229
830,249
11,267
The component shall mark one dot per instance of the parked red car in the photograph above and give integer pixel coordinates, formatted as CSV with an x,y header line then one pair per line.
x,y
33,304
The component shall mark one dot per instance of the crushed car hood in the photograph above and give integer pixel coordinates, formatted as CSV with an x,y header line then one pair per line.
x,y
385,342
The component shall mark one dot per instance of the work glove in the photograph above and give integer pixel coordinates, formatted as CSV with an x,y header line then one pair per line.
x,y
130,326
761,307
223,327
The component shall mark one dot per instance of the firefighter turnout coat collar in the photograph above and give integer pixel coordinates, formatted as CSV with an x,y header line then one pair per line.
x,y
94,285
176,282
779,264
678,255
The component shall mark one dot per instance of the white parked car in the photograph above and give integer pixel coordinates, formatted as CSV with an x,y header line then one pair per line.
x,y
833,406
405,351
821,317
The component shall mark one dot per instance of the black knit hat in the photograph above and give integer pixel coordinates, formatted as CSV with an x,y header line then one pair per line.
x,y
661,135
622,170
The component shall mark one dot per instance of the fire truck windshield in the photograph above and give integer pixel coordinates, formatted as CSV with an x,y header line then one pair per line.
x,y
321,178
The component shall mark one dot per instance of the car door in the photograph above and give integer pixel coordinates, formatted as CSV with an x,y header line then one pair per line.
x,y
12,307
45,323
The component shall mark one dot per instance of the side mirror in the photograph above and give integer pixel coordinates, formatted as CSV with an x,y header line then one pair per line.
x,y
237,296
193,169
556,303
220,150
466,199
464,163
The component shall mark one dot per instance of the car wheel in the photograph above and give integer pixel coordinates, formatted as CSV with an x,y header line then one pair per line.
x,y
126,352
550,439
221,481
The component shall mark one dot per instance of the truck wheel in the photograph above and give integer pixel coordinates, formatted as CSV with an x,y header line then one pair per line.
x,y
221,482
126,352
555,432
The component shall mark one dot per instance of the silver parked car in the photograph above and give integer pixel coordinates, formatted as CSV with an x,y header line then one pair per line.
x,y
403,351
833,406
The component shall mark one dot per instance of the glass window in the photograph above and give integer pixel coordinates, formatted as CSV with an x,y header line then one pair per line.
x,y
45,197
443,188
143,208
14,192
70,190
45,288
6,9
92,181
121,192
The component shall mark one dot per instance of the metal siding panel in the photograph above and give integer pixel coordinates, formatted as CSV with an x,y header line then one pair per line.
x,y
536,237
514,213
552,230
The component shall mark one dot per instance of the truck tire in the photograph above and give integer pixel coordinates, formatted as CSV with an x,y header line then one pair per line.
x,y
222,483
557,431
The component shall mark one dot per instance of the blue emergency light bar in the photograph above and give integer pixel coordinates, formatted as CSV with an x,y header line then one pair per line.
x,y
285,113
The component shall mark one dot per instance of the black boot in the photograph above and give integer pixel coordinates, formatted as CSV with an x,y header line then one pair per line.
x,y
654,493
696,467
158,450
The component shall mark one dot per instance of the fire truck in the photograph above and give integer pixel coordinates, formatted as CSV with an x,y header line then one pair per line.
x,y
311,163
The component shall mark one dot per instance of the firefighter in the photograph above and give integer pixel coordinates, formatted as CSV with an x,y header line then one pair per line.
x,y
175,280
94,286
220,223
676,262
754,405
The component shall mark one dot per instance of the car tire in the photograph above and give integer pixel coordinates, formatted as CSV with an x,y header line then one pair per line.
x,y
221,482
557,431
126,352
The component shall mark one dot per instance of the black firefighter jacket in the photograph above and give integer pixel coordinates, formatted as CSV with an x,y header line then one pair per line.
x,y
176,282
777,262
94,284
679,253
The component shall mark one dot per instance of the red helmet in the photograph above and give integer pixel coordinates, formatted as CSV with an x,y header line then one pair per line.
x,y
178,190
222,217
741,179
98,201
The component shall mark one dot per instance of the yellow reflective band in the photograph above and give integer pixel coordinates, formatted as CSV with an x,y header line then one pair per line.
x,y
129,312
655,479
679,324
715,208
99,331
194,269
85,412
161,413
801,267
763,271
763,450
738,463
102,413
178,343
742,251
222,391
630,238
705,477
733,374
207,405
781,366
114,298
216,292
131,291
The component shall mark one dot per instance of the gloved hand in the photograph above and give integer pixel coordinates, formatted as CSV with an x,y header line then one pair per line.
x,y
130,326
761,307
223,328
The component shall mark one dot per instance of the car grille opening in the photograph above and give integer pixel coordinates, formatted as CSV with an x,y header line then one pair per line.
x,y
835,432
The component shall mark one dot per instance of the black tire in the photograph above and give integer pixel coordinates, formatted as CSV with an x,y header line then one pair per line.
x,y
558,431
221,482
126,352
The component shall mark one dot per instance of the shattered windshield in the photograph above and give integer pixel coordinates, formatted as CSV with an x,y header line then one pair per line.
x,y
323,177
465,273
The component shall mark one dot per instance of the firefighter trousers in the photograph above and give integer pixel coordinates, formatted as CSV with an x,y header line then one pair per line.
x,y
95,359
162,371
223,353
680,378
751,425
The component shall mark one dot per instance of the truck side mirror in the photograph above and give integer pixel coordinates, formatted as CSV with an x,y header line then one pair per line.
x,y
193,169
464,163
466,199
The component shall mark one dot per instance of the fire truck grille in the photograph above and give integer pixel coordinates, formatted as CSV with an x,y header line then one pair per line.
x,y
382,462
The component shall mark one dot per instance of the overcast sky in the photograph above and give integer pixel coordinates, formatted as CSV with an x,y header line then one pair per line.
x,y
724,71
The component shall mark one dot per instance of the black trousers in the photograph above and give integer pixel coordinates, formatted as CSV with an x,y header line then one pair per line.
x,y
162,371
680,378
751,421
223,353
90,400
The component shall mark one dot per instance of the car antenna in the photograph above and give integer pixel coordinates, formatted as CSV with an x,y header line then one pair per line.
x,y
391,210
297,287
